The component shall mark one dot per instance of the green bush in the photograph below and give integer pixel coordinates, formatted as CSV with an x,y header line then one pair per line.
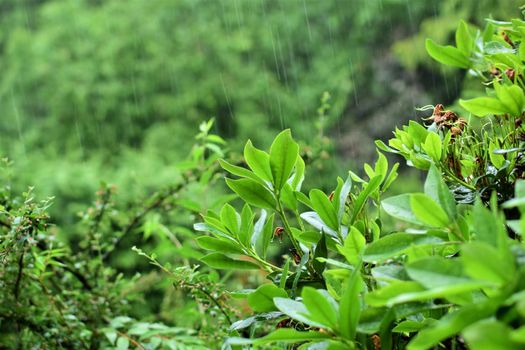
x,y
452,277
290,269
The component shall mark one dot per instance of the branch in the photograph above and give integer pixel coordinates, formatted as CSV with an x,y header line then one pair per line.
x,y
135,221
16,289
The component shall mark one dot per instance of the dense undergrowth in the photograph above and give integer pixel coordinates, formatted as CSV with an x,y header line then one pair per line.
x,y
350,268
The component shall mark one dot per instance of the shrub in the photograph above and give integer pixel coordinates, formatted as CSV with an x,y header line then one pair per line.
x,y
450,275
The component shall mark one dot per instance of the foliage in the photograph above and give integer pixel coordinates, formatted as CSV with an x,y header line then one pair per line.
x,y
452,276
476,159
311,269
71,296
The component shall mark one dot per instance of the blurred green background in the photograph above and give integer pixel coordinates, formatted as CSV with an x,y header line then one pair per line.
x,y
114,90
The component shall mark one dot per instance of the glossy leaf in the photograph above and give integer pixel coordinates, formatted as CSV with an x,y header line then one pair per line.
x,y
432,146
353,246
252,192
219,245
395,244
399,207
283,155
324,208
350,305
297,311
360,202
483,106
451,324
261,300
447,55
240,171
223,262
427,211
436,188
258,161
464,40
290,335
321,306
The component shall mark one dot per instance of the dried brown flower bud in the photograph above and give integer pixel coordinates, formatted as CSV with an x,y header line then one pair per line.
x,y
455,131
511,74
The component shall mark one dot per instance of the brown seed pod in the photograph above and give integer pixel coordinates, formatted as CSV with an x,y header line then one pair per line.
x,y
495,72
438,109
507,39
439,119
450,116
296,257
510,73
278,232
455,131
376,339
461,123
284,323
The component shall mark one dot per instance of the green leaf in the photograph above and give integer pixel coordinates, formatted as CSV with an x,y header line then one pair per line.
x,y
411,326
241,172
230,219
395,244
464,41
321,306
261,300
405,295
296,310
452,324
360,202
484,262
324,208
487,225
436,188
246,229
252,192
258,161
381,166
283,155
511,97
223,262
260,239
482,106
427,211
447,55
436,272
340,196
320,252
353,246
122,343
399,207
212,225
392,176
432,146
290,335
220,245
288,197
315,220
350,305
490,334
299,174
267,235
381,297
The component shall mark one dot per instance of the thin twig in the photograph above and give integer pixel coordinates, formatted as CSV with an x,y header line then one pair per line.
x,y
16,290
135,221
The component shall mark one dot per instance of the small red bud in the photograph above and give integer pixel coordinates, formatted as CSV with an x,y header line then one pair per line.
x,y
278,232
